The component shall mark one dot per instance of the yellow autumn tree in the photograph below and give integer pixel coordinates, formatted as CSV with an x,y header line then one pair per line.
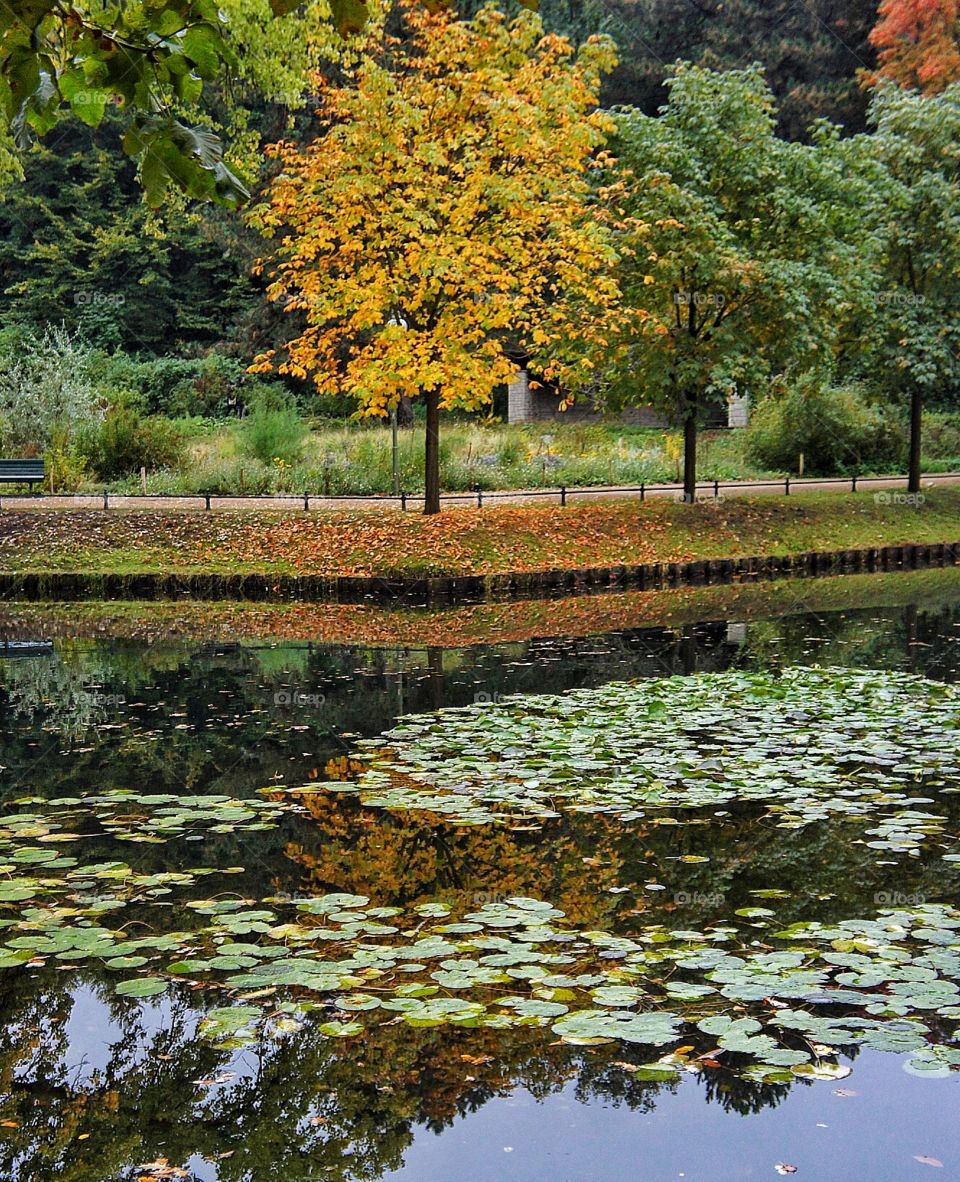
x,y
444,218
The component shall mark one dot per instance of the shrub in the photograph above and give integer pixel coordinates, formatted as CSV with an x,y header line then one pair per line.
x,y
941,436
211,386
45,387
270,433
834,428
125,442
64,466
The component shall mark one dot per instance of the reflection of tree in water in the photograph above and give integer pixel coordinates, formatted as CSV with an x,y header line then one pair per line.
x,y
745,1096
919,640
308,1106
205,717
297,1108
597,869
69,692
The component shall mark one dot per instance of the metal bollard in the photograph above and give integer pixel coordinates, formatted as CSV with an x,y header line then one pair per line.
x,y
563,494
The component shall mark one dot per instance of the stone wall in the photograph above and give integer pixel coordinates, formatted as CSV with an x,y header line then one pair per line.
x,y
738,410
526,405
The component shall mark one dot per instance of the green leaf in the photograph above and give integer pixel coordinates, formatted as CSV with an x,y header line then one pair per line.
x,y
142,987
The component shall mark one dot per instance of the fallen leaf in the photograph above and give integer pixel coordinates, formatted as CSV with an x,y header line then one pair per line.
x,y
161,1168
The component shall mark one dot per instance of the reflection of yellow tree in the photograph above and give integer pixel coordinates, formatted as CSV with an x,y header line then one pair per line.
x,y
408,857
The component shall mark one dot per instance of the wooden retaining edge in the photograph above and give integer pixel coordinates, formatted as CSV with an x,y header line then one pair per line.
x,y
69,586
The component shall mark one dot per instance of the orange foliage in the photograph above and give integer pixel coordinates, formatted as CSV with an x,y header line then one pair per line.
x,y
919,43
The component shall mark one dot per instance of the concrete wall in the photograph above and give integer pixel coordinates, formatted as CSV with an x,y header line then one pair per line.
x,y
520,399
738,410
536,406
526,405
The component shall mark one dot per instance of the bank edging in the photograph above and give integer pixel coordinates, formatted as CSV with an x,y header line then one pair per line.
x,y
440,589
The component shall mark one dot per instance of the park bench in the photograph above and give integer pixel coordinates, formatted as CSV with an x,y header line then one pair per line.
x,y
21,472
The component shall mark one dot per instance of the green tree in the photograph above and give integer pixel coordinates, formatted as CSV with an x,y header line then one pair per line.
x,y
158,60
746,265
811,52
911,339
78,247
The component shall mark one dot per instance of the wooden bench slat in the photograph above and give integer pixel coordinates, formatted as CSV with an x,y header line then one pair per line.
x,y
23,471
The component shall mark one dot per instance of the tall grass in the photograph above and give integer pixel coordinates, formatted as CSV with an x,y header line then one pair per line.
x,y
355,459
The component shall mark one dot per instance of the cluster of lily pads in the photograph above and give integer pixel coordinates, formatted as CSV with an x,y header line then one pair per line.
x,y
35,868
125,815
771,1003
807,744
768,1001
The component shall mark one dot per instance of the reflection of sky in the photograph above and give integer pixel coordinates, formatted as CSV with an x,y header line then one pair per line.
x,y
92,1036
92,1033
870,1137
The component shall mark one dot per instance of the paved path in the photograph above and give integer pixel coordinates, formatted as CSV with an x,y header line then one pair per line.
x,y
865,486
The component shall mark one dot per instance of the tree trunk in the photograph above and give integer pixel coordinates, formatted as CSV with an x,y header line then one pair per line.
x,y
690,449
916,411
404,411
431,498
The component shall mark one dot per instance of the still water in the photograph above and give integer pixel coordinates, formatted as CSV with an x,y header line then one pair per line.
x,y
95,1086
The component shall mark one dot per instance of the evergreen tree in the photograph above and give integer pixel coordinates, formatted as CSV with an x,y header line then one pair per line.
x,y
811,53
78,246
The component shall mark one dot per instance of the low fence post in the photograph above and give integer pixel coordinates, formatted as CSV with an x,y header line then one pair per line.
x,y
306,501
853,487
206,499
716,489
479,497
642,490
403,500
786,487
563,494
105,503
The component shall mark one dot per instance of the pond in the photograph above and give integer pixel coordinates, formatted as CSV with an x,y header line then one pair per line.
x,y
645,886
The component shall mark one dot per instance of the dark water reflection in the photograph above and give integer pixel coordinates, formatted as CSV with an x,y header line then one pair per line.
x,y
94,1086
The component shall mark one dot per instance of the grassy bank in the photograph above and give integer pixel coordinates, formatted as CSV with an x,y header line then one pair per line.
x,y
464,541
